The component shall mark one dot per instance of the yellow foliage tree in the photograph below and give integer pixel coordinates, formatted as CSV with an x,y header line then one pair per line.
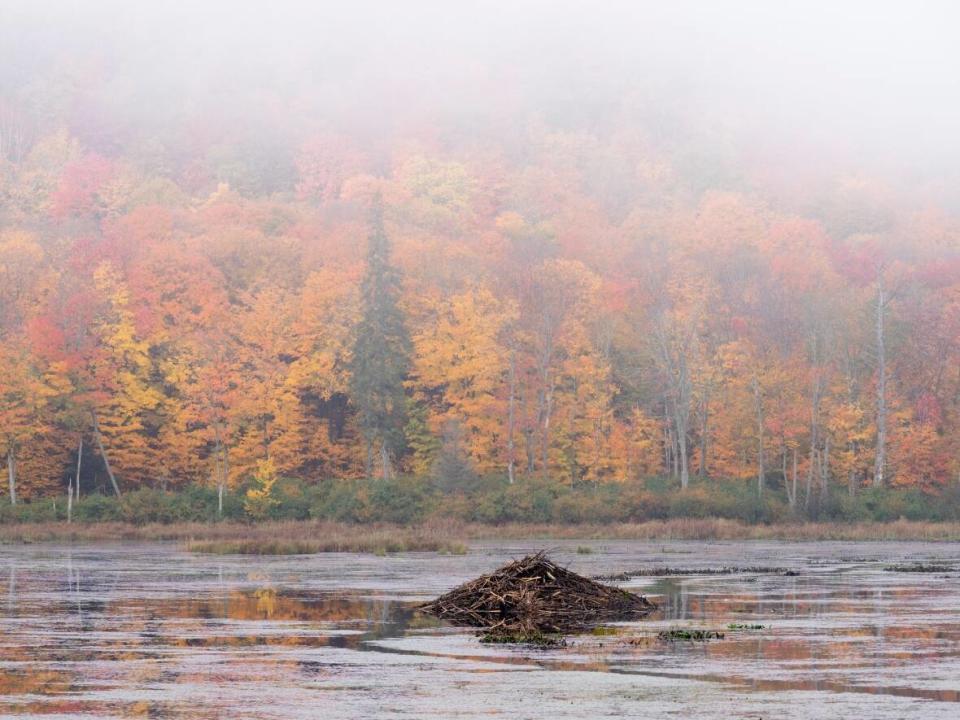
x,y
259,500
128,408
460,368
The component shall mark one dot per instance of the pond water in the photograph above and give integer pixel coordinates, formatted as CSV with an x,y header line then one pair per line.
x,y
152,631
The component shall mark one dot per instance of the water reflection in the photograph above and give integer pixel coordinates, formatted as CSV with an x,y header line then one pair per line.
x,y
149,631
11,589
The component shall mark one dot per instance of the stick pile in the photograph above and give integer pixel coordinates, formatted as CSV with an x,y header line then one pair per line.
x,y
533,595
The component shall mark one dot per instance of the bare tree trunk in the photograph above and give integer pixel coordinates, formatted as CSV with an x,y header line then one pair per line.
x,y
674,453
79,461
704,431
545,434
783,465
793,495
385,459
681,412
15,136
881,453
528,443
511,413
70,502
758,401
824,469
814,439
684,463
220,468
667,440
675,364
12,474
530,450
103,454
225,465
369,472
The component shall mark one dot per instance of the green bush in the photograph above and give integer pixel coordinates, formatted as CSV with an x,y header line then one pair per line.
x,y
98,508
455,506
491,499
340,500
691,503
197,503
490,507
293,500
948,504
40,510
402,500
592,504
640,504
147,506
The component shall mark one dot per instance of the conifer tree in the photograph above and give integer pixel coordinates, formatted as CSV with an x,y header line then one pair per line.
x,y
381,353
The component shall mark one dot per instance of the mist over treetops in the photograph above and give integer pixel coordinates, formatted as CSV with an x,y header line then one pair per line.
x,y
244,241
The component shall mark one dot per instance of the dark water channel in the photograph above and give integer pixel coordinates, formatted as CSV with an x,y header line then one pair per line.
x,y
152,631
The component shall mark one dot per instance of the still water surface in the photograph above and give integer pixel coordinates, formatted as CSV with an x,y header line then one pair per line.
x,y
152,631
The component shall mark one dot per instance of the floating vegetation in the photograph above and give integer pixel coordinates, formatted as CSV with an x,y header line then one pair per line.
x,y
919,568
603,631
255,547
584,550
743,626
538,639
661,571
534,595
674,634
453,548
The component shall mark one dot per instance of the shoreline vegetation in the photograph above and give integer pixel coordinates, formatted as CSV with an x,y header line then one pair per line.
x,y
308,537
410,514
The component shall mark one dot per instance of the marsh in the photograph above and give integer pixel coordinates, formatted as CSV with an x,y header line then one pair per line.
x,y
149,629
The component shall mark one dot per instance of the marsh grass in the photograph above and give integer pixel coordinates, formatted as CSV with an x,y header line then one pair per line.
x,y
383,542
722,529
454,548
282,547
453,537
278,538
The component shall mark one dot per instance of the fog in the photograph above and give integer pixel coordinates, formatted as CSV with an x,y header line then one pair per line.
x,y
853,86
490,255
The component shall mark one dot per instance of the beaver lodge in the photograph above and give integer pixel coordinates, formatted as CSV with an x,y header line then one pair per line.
x,y
534,596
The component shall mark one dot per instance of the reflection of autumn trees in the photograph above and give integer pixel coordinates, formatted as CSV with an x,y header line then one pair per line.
x,y
825,631
266,603
36,682
836,637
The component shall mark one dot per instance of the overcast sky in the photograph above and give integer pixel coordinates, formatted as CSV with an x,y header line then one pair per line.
x,y
878,82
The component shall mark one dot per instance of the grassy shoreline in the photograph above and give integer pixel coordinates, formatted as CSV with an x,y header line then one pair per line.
x,y
327,536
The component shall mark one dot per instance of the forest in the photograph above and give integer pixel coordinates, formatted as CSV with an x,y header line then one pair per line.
x,y
251,288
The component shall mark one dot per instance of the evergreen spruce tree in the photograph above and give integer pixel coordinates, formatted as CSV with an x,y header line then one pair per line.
x,y
452,469
381,353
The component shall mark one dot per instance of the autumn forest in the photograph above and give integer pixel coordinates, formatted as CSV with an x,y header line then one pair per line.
x,y
456,278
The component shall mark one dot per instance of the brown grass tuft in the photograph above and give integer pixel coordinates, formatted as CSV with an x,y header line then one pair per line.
x,y
293,537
